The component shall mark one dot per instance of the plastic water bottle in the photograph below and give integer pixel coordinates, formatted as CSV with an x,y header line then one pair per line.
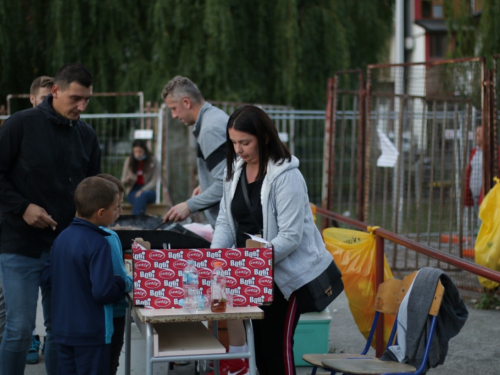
x,y
190,287
218,287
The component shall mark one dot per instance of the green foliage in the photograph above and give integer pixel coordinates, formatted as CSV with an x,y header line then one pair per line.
x,y
278,52
473,35
489,30
488,301
462,25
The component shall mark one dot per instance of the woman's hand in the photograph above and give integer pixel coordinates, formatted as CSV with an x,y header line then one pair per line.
x,y
138,193
131,181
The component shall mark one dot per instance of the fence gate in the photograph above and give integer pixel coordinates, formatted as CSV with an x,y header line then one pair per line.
x,y
344,144
420,121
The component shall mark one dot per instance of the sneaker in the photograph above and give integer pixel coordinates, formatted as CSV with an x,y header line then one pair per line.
x,y
232,367
33,357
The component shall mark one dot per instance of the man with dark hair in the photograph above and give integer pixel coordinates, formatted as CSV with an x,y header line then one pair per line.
x,y
46,152
186,103
40,89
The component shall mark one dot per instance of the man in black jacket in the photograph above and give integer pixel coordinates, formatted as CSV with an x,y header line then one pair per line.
x,y
46,152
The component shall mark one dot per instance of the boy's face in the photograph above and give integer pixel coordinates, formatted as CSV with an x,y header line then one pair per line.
x,y
42,94
107,215
120,209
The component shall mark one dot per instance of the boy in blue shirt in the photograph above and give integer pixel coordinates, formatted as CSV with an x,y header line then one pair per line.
x,y
119,308
84,286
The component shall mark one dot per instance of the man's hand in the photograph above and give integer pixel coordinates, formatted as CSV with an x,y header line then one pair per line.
x,y
197,190
177,213
37,217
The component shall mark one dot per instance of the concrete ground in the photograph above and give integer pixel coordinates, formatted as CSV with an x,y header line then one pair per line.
x,y
476,349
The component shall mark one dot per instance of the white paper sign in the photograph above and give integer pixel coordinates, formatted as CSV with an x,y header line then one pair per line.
x,y
143,134
390,153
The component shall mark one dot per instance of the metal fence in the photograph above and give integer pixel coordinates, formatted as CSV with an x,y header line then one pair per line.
x,y
174,145
344,144
420,134
302,131
115,133
414,127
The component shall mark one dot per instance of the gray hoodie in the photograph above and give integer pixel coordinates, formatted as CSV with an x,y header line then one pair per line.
x,y
299,251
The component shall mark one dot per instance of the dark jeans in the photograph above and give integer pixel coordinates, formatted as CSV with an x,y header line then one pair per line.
x,y
139,203
75,360
21,280
116,345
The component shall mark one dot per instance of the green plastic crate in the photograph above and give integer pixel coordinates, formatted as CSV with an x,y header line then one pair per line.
x,y
311,336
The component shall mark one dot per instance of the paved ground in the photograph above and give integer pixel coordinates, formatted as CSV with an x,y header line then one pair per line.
x,y
476,350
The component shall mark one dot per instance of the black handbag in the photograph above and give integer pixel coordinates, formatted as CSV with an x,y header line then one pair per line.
x,y
317,294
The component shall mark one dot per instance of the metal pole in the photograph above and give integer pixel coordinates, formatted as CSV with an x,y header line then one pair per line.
x,y
379,272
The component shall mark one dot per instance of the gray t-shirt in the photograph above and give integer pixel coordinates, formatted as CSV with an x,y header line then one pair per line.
x,y
210,133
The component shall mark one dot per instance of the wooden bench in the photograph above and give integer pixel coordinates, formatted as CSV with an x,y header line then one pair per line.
x,y
158,209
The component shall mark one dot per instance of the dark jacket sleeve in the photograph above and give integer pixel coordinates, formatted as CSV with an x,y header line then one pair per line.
x,y
11,134
106,287
94,167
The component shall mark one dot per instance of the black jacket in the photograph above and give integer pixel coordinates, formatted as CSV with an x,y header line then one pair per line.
x,y
43,157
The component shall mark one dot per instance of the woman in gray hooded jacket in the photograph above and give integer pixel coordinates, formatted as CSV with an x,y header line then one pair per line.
x,y
278,209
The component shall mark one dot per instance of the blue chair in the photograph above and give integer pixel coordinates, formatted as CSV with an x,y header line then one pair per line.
x,y
389,296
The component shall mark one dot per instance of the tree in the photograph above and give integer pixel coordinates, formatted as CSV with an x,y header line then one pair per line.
x,y
278,52
473,34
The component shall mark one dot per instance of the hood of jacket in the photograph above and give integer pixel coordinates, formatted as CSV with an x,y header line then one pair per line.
x,y
47,108
273,171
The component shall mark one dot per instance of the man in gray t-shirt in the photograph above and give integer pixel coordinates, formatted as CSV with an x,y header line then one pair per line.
x,y
186,103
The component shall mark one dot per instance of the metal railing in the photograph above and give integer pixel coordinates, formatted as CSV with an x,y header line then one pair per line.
x,y
383,234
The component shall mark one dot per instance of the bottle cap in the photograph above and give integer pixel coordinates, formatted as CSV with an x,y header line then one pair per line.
x,y
217,264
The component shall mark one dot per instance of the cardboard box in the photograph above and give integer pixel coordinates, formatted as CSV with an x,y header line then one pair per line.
x,y
158,274
311,336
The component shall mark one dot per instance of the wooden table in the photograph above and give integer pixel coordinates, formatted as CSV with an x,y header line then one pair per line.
x,y
173,335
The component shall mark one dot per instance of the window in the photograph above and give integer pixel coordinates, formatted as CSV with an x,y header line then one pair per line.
x,y
437,46
432,9
437,11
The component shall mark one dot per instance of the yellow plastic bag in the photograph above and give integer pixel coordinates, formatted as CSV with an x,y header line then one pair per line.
x,y
487,248
354,254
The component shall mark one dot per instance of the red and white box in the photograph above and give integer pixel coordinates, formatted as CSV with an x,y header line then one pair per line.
x,y
158,274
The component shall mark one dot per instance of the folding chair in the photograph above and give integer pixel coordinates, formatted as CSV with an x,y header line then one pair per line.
x,y
389,296
349,365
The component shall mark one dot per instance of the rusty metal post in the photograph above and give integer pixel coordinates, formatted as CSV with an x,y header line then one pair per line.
x,y
328,158
361,171
491,133
366,165
486,124
494,114
379,272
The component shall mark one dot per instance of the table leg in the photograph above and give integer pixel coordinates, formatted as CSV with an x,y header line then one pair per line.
x,y
128,339
215,332
149,349
252,366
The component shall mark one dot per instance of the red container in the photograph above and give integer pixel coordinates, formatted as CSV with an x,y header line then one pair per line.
x,y
158,274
